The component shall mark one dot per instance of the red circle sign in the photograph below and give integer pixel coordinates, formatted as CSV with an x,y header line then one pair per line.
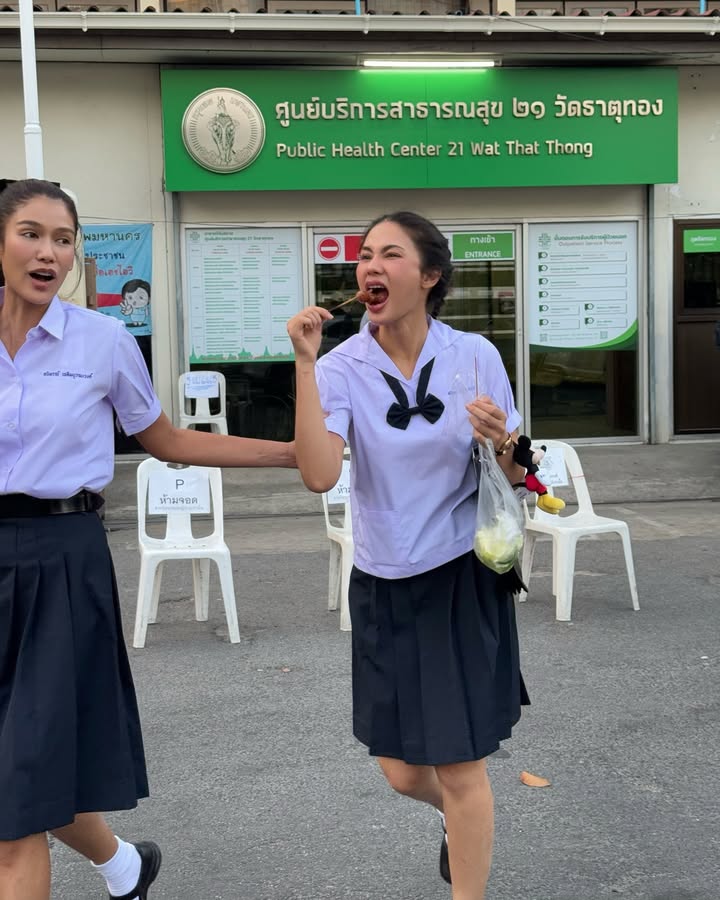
x,y
329,248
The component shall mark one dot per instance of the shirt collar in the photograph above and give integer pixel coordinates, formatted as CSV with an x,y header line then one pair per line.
x,y
365,348
53,322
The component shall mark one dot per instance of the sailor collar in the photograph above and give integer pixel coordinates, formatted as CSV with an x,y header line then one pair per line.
x,y
364,348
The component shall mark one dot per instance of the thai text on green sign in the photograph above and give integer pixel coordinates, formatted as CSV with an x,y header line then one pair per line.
x,y
378,129
488,245
701,240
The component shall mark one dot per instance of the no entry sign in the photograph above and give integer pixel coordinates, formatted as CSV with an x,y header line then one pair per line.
x,y
328,248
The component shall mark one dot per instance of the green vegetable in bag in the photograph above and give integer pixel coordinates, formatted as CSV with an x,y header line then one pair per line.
x,y
499,520
498,546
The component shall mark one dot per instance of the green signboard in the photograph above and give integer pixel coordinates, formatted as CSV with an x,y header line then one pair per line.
x,y
701,240
308,129
487,245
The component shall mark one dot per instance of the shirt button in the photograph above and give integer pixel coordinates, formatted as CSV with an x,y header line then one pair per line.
x,y
10,426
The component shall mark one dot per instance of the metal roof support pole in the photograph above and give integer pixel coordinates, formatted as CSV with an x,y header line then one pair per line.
x,y
33,132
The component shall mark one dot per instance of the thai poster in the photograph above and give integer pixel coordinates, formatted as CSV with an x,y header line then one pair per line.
x,y
123,256
583,285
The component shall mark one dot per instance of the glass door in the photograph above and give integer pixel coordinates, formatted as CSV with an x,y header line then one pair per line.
x,y
696,376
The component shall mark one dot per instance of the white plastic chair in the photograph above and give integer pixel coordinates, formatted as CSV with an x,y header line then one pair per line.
x,y
180,543
565,531
338,522
196,410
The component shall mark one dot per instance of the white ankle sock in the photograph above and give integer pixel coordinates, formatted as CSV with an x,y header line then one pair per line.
x,y
122,871
442,819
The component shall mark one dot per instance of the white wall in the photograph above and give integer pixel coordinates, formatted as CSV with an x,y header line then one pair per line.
x,y
480,205
102,138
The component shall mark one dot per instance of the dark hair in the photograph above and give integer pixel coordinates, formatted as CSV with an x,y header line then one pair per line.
x,y
433,249
133,285
18,193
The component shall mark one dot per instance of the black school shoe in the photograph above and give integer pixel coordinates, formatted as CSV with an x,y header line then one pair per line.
x,y
444,859
150,859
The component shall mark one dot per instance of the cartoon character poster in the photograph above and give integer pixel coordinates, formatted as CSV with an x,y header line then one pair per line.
x,y
123,256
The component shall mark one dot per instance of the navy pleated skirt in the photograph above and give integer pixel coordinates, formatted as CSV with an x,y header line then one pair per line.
x,y
70,737
436,671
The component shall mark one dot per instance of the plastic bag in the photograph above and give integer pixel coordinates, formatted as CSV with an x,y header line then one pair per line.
x,y
499,520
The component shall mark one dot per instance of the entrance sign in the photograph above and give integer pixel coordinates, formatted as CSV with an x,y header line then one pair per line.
x,y
582,285
439,129
243,284
484,246
465,246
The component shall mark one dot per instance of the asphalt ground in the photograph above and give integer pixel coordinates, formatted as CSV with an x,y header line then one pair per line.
x,y
260,792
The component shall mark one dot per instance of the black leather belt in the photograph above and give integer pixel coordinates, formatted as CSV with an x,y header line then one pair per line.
x,y
23,505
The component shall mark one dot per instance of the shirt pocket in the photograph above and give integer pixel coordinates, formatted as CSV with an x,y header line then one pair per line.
x,y
456,417
383,536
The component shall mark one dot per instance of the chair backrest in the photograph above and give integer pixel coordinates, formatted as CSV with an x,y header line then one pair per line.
x,y
178,525
336,502
575,472
199,406
339,518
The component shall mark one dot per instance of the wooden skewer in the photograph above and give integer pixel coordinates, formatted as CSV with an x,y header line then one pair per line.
x,y
348,301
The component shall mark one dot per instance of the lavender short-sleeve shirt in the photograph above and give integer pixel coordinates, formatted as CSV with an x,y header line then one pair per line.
x,y
413,491
57,398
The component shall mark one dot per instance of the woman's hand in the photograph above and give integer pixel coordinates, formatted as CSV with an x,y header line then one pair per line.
x,y
488,421
305,330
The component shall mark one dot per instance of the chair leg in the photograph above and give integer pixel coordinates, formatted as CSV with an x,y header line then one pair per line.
x,y
201,588
228,591
156,593
334,575
148,567
627,549
565,576
526,564
345,623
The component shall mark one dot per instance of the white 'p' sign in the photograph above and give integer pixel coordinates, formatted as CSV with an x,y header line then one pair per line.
x,y
341,492
175,490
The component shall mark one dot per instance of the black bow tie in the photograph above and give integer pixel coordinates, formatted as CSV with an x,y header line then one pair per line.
x,y
428,405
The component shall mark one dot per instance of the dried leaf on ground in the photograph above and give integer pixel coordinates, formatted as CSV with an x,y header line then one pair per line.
x,y
534,780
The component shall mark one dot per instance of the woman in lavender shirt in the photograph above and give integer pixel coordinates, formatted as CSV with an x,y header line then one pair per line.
x,y
70,741
436,676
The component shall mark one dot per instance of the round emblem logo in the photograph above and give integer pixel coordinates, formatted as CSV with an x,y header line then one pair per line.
x,y
223,130
329,248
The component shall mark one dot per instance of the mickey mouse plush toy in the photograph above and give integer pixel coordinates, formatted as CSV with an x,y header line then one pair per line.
x,y
529,459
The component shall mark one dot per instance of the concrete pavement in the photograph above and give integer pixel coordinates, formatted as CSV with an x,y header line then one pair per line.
x,y
261,793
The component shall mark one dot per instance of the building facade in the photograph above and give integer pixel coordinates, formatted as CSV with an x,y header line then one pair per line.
x,y
586,241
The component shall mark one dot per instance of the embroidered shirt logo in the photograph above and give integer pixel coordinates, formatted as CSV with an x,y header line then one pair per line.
x,y
65,373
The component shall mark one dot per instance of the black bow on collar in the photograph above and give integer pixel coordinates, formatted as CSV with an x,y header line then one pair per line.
x,y
428,405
